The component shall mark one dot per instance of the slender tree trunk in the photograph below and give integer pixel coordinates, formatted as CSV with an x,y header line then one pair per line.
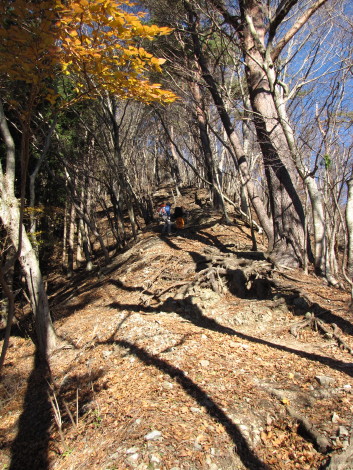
x,y
349,222
10,215
119,220
85,245
34,174
65,231
71,241
79,251
175,166
318,224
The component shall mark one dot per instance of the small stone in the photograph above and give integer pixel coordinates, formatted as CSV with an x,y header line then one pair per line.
x,y
347,387
193,409
345,444
204,363
343,431
132,450
107,353
153,435
324,380
154,459
335,418
167,385
133,458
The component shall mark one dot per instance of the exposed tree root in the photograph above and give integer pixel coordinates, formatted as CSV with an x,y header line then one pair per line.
x,y
306,428
316,324
240,276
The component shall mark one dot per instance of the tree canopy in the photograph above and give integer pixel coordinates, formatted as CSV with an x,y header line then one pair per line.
x,y
99,44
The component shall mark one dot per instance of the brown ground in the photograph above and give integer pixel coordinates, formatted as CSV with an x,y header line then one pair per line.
x,y
218,380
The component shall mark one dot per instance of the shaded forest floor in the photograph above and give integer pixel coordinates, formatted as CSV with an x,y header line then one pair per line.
x,y
161,372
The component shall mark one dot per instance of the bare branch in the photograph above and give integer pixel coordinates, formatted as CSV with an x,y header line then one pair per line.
x,y
295,28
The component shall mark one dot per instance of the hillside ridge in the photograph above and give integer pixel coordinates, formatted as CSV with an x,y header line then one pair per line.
x,y
188,353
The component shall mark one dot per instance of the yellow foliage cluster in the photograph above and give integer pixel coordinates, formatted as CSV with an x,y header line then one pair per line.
x,y
94,42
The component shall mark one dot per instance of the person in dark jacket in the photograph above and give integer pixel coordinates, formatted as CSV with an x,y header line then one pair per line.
x,y
179,216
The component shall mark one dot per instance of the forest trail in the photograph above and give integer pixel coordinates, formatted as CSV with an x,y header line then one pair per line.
x,y
166,373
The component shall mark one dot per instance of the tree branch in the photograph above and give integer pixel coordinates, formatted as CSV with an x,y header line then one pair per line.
x,y
295,28
282,11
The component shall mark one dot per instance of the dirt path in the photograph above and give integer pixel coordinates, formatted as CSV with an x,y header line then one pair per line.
x,y
206,380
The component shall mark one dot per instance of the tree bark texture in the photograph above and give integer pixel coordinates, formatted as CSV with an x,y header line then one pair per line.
x,y
287,210
232,136
349,222
209,163
10,215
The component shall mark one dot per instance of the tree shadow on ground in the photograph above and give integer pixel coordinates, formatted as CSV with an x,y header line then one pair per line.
x,y
189,311
192,313
299,306
247,455
30,447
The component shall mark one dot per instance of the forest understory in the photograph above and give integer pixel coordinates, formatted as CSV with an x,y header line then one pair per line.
x,y
188,351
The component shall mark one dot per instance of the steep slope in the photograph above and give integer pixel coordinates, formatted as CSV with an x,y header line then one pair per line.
x,y
187,352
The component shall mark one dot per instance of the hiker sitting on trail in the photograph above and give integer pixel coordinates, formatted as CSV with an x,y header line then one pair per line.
x,y
179,217
164,214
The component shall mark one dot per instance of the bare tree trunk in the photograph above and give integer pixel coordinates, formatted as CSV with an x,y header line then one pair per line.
x,y
232,136
175,167
349,222
34,174
318,224
79,251
287,209
85,245
64,252
71,241
211,174
10,215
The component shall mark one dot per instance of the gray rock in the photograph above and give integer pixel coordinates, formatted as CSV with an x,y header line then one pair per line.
x,y
133,458
132,450
193,409
343,431
204,363
324,380
153,435
167,385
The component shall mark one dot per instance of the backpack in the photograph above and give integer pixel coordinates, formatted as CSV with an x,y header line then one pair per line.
x,y
167,209
178,212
